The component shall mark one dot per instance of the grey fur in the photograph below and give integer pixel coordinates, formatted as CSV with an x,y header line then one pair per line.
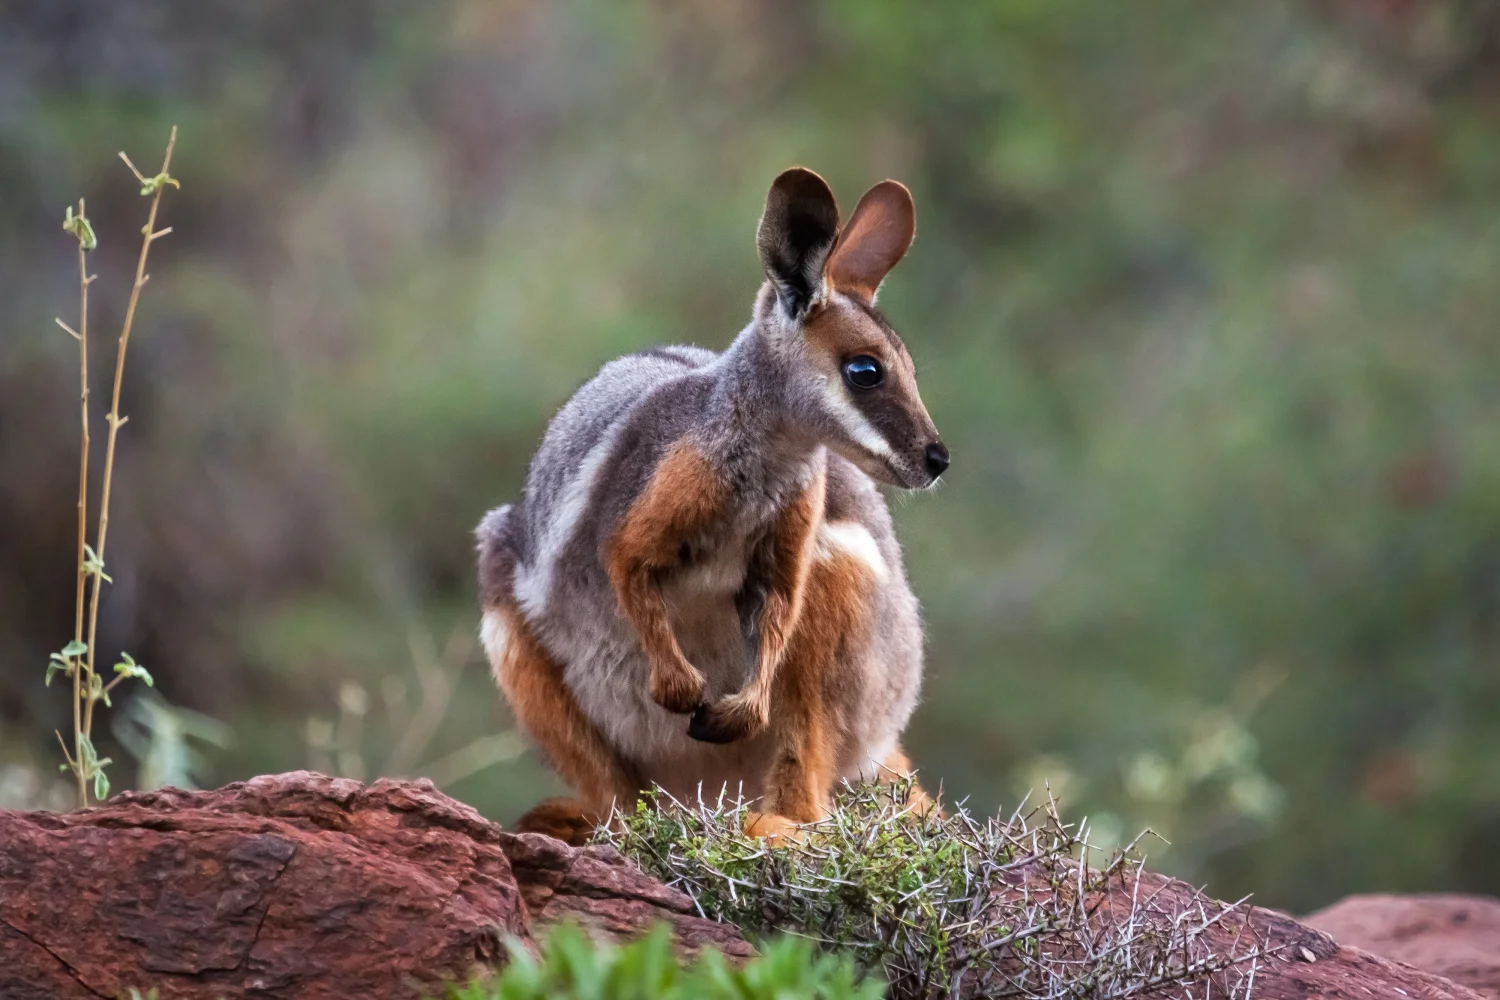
x,y
761,412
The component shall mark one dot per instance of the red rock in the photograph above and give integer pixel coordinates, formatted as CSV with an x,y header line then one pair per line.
x,y
293,885
1457,937
1298,960
598,889
298,885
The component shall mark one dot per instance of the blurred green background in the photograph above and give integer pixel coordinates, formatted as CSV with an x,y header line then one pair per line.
x,y
1203,298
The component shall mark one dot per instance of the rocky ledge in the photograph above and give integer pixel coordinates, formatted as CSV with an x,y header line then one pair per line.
x,y
299,885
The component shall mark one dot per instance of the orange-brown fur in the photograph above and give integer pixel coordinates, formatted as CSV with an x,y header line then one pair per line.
x,y
807,701
683,500
810,689
532,682
565,819
835,334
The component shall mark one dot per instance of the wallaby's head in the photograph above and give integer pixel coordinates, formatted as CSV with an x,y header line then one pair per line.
x,y
852,381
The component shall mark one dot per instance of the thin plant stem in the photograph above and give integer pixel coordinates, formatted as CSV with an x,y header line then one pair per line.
x,y
115,420
83,502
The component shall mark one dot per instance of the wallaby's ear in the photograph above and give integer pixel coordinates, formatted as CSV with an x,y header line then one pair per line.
x,y
877,236
798,228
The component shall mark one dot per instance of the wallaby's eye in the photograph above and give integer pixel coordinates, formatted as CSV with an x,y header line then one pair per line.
x,y
863,372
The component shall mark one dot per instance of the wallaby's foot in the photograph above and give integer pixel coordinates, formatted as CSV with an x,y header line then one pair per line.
x,y
778,831
565,819
897,768
727,720
924,805
678,688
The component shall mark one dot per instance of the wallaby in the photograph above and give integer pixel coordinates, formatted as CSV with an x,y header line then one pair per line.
x,y
700,585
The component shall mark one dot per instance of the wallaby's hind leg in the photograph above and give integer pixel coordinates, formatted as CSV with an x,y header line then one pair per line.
x,y
532,682
565,819
806,731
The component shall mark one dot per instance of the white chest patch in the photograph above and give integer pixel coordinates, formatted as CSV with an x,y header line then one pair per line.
x,y
494,635
852,539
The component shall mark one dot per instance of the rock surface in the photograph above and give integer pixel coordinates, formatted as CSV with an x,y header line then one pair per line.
x,y
1457,937
295,885
298,885
1300,961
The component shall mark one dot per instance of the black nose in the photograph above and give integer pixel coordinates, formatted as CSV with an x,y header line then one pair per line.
x,y
937,459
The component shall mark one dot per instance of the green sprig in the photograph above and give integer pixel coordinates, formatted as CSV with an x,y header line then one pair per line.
x,y
80,227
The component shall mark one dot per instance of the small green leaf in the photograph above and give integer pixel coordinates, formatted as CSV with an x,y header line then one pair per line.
x,y
101,783
93,564
160,180
129,668
64,662
81,229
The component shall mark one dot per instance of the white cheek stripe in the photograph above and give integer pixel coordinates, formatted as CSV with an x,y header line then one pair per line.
x,y
854,540
534,580
860,430
854,423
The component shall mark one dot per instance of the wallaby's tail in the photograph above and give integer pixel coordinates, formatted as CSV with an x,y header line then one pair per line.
x,y
497,560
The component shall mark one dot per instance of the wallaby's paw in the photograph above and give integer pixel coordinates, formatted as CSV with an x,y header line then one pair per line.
x,y
778,831
726,721
923,805
679,689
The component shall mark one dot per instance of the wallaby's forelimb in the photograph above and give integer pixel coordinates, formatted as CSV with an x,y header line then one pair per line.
x,y
781,561
683,499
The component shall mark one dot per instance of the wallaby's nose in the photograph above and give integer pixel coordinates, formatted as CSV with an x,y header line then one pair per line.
x,y
937,459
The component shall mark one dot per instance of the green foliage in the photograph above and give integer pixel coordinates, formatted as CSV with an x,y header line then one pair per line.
x,y
168,742
127,667
81,229
92,564
90,766
572,967
66,660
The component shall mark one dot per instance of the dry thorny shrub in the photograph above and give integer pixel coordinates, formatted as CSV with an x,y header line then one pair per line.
x,y
944,905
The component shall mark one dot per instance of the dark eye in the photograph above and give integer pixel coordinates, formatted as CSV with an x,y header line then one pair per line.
x,y
863,372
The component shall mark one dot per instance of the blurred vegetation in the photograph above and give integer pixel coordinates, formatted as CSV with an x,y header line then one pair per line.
x,y
1203,300
572,967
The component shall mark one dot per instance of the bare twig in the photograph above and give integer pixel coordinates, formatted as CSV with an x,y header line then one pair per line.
x,y
78,658
154,187
82,336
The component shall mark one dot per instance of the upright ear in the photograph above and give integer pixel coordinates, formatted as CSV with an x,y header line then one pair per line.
x,y
877,236
798,228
